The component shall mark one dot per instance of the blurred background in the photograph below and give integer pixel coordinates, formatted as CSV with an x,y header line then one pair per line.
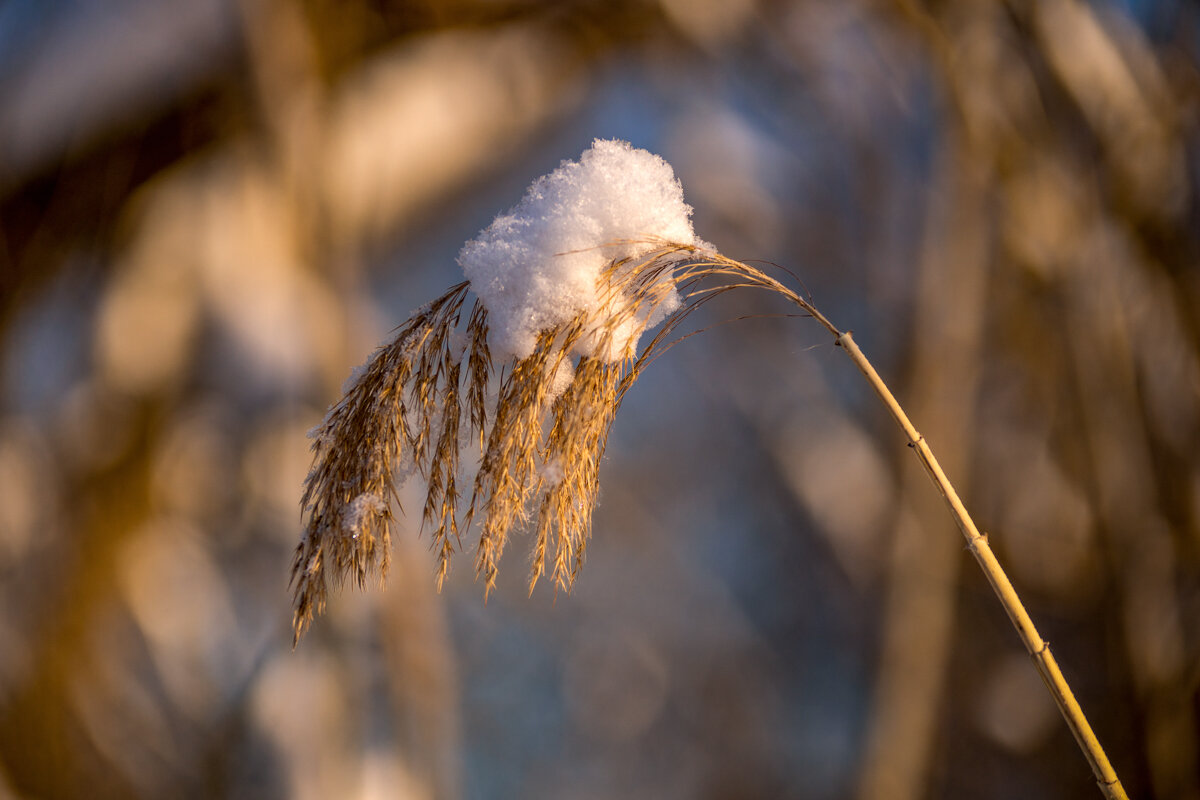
x,y
210,211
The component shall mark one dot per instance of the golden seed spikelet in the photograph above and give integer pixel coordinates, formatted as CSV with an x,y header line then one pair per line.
x,y
541,424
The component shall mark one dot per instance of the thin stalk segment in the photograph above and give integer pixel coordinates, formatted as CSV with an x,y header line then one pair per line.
x,y
977,543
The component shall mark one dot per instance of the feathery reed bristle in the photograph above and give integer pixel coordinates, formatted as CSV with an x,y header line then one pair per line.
x,y
542,428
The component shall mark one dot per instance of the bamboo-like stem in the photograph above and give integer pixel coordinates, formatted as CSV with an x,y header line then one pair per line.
x,y
977,543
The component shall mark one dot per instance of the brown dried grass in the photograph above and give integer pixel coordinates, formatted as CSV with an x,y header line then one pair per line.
x,y
425,396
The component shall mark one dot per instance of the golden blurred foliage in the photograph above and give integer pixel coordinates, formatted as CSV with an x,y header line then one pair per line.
x,y
210,211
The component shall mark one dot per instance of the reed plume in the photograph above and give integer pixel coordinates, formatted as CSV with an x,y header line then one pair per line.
x,y
541,425
541,422
542,434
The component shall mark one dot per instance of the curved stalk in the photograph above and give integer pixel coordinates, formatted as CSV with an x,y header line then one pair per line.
x,y
977,543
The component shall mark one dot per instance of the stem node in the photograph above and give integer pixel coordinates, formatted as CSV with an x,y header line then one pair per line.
x,y
979,546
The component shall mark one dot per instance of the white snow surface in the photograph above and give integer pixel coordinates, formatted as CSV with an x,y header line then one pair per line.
x,y
361,509
539,265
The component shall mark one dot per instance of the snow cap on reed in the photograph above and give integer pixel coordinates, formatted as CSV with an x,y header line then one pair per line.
x,y
539,265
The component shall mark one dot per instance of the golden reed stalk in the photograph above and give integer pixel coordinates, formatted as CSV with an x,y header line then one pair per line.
x,y
541,427
977,543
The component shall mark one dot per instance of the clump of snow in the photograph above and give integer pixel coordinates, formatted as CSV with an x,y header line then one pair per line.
x,y
539,265
564,373
553,472
361,509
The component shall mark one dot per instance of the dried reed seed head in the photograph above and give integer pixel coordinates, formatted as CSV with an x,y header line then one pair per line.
x,y
541,425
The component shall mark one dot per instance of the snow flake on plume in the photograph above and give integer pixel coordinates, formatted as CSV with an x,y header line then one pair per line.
x,y
539,265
